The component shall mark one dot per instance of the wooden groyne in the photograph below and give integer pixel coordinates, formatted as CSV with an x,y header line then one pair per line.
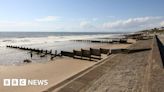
x,y
86,54
104,41
90,54
93,53
138,36
38,51
66,53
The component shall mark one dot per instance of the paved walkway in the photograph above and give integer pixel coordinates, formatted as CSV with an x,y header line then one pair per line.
x,y
156,82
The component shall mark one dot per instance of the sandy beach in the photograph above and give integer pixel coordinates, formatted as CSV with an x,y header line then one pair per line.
x,y
54,71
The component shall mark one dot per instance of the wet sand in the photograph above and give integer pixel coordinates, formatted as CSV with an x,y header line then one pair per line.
x,y
54,71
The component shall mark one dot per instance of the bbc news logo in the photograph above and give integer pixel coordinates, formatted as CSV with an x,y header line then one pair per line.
x,y
24,82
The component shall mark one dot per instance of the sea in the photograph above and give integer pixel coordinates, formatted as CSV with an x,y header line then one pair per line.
x,y
44,40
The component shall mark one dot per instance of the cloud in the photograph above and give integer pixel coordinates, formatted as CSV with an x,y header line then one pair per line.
x,y
48,18
130,24
17,24
41,24
133,23
86,24
28,26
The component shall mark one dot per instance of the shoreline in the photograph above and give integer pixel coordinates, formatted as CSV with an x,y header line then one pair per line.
x,y
38,59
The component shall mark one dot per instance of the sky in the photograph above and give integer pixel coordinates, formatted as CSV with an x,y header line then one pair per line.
x,y
80,15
